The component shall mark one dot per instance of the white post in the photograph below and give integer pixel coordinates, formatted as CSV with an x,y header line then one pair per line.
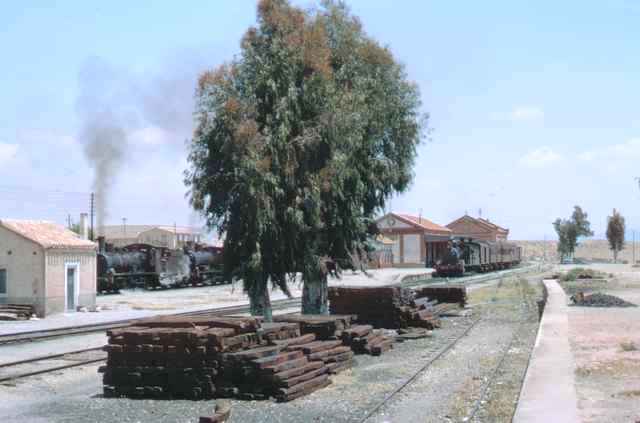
x,y
84,228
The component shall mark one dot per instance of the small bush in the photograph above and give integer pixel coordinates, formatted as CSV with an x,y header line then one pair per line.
x,y
628,346
581,273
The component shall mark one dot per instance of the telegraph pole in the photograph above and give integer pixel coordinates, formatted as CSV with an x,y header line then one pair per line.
x,y
92,213
124,226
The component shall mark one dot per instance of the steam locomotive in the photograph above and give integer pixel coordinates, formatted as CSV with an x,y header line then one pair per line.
x,y
149,267
469,255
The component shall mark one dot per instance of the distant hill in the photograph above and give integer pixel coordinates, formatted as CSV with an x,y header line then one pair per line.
x,y
591,249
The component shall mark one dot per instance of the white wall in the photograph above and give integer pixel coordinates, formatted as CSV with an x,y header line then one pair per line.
x,y
392,222
56,278
24,262
412,248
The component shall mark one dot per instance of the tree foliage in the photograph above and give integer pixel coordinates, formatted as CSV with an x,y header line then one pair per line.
x,y
299,143
570,230
615,233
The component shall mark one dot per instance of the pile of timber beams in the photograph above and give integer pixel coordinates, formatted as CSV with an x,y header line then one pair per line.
x,y
279,371
388,307
16,311
166,359
395,307
363,339
324,327
216,357
326,345
444,294
336,356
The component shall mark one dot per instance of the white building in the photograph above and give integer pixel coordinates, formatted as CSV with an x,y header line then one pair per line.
x,y
46,265
156,235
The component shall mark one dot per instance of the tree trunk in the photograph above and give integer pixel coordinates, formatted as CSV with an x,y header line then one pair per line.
x,y
615,255
259,302
315,296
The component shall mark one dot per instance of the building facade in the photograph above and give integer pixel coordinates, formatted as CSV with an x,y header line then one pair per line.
x,y
156,235
416,241
47,266
478,228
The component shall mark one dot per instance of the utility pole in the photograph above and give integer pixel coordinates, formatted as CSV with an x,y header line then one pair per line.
x,y
124,226
92,212
69,221
634,247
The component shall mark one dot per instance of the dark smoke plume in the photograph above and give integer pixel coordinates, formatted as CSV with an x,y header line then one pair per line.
x,y
103,132
113,104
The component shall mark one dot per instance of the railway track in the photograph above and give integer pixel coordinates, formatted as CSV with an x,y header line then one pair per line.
x,y
54,362
448,345
38,335
518,333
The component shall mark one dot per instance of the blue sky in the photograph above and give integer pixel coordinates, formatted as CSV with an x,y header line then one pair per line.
x,y
534,105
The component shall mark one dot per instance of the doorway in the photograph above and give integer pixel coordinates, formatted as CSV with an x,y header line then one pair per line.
x,y
71,287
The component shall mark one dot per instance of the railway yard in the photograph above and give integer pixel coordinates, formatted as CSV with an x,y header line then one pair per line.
x,y
470,368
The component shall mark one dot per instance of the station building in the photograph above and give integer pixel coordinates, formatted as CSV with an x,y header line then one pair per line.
x,y
478,228
47,266
416,241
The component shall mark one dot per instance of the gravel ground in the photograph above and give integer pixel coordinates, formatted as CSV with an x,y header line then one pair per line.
x,y
442,393
488,387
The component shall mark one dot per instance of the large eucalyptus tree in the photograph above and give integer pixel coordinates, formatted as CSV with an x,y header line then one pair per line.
x,y
299,143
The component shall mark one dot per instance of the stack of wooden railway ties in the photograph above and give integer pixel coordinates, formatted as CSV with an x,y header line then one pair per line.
x,y
395,307
245,358
16,311
200,357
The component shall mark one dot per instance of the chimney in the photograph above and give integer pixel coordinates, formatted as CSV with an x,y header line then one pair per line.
x,y
84,227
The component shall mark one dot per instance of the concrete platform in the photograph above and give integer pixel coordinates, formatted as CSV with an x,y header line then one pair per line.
x,y
548,393
134,304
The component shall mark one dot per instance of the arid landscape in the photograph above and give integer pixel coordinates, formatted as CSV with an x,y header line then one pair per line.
x,y
589,250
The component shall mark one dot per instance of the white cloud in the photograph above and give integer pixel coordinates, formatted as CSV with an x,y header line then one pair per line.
x,y
41,137
540,157
629,150
7,152
526,113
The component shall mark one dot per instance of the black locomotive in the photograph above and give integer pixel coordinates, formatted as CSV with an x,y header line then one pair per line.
x,y
149,267
469,255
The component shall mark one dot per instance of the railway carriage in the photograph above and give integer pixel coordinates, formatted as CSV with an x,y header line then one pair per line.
x,y
469,255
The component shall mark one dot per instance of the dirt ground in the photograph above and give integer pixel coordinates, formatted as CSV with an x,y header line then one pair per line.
x,y
606,346
591,249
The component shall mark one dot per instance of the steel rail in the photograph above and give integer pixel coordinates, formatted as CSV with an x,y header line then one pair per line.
x,y
50,369
494,372
410,380
55,368
47,357
36,335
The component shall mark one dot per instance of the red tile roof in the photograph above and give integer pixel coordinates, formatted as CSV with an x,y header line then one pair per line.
x,y
423,223
47,234
491,224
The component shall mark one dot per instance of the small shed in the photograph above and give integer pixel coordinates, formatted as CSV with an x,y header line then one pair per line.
x,y
46,265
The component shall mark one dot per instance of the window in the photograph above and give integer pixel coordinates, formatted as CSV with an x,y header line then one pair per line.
x,y
3,281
